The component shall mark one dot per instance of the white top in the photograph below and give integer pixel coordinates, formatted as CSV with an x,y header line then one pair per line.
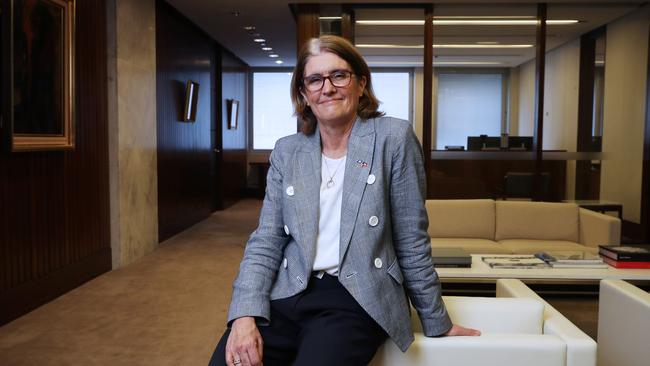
x,y
329,215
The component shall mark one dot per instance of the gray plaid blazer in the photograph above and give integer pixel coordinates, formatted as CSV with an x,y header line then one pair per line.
x,y
384,246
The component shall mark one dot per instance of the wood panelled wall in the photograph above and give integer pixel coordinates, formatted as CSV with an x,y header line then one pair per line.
x,y
185,150
234,85
54,206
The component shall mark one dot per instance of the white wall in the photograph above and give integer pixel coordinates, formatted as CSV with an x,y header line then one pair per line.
x,y
561,97
526,107
626,62
513,102
560,103
418,90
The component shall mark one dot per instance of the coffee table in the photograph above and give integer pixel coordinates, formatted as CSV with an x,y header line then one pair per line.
x,y
482,273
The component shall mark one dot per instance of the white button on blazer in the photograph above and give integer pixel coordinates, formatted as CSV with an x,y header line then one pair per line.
x,y
371,179
374,220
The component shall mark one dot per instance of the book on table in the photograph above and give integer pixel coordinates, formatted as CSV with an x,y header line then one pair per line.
x,y
625,253
451,258
514,262
627,264
571,259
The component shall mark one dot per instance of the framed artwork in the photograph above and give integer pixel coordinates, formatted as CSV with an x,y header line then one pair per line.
x,y
191,100
38,74
233,113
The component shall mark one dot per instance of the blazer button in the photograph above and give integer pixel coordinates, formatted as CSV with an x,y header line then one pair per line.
x,y
286,229
290,191
378,263
284,263
371,179
374,220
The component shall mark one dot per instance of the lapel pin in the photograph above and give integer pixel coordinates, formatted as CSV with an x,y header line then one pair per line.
x,y
362,164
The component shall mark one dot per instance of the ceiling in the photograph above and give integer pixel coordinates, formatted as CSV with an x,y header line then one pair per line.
x,y
225,20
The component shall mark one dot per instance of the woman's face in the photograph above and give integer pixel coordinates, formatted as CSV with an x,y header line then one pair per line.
x,y
332,104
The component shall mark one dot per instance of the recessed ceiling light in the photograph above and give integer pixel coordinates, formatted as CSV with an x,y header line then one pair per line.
x,y
235,13
256,35
267,48
249,28
279,62
259,40
467,63
482,46
438,63
467,22
273,55
329,18
471,45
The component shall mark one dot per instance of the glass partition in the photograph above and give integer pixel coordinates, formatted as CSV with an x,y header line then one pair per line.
x,y
485,98
484,63
390,38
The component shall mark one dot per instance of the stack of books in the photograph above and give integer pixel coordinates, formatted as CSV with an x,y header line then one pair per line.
x,y
571,259
624,256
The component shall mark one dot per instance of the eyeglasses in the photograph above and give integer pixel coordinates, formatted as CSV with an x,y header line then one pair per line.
x,y
338,78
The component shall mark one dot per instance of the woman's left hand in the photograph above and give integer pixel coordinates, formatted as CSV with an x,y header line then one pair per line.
x,y
457,330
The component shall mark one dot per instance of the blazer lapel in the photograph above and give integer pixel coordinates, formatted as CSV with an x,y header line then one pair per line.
x,y
307,194
361,147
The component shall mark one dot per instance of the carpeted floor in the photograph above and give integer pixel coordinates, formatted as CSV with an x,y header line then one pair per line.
x,y
169,308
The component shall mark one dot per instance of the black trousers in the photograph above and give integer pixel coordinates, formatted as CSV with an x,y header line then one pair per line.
x,y
323,325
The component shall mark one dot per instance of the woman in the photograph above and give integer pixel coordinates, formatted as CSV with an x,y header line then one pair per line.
x,y
342,231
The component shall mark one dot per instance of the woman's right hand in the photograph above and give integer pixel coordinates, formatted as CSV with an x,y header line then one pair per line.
x,y
244,346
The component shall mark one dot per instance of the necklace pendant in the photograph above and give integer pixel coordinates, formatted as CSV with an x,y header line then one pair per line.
x,y
330,183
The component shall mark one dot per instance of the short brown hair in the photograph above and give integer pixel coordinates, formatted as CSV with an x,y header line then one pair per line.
x,y
368,103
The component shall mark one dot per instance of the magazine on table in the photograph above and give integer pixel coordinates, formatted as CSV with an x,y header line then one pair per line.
x,y
514,262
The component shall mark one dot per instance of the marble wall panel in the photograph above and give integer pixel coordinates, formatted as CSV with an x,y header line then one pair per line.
x,y
134,159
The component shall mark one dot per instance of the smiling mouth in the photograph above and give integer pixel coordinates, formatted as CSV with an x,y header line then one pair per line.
x,y
330,101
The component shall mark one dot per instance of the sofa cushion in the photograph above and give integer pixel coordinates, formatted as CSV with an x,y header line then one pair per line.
x,y
461,218
532,246
471,246
496,315
538,220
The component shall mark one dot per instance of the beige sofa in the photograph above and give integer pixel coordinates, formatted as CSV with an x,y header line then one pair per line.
x,y
486,226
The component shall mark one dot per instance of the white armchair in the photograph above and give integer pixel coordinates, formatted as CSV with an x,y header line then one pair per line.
x,y
518,328
623,324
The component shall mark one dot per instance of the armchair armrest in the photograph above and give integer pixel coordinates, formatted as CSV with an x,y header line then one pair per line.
x,y
581,349
490,349
599,229
623,324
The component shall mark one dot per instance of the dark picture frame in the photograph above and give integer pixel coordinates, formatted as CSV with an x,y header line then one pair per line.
x,y
233,113
38,75
191,101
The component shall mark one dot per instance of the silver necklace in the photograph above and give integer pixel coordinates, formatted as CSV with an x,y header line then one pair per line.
x,y
330,182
